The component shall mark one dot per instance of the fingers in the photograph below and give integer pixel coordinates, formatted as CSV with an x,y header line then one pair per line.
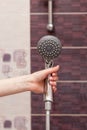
x,y
53,70
53,81
54,89
53,77
54,85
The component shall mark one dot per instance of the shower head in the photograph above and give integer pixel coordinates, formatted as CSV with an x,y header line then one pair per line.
x,y
49,47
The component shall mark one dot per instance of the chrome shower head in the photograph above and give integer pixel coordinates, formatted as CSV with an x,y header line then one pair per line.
x,y
49,47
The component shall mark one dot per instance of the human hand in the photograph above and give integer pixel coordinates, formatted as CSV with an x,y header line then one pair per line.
x,y
37,79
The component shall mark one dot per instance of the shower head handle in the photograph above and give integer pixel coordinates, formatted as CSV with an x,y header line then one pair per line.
x,y
49,47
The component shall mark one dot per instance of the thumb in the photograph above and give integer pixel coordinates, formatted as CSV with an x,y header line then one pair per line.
x,y
52,70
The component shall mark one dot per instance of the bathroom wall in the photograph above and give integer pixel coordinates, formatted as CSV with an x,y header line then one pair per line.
x,y
69,110
15,110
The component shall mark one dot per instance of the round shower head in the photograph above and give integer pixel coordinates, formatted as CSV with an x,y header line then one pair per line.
x,y
49,47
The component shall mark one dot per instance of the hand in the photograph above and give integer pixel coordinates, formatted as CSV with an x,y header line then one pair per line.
x,y
37,79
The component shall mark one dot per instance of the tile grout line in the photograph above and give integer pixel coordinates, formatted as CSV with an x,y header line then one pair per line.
x,y
61,115
67,47
72,81
61,13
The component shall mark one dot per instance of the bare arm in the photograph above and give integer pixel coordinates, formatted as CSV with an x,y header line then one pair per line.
x,y
33,82
13,85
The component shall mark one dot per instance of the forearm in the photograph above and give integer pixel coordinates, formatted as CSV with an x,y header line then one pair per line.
x,y
14,85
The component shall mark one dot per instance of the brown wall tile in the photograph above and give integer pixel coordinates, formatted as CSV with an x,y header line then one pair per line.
x,y
70,98
73,63
71,30
61,123
60,6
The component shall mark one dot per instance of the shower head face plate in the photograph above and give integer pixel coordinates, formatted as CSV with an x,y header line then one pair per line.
x,y
49,47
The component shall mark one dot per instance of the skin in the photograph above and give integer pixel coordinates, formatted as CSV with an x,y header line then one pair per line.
x,y
33,82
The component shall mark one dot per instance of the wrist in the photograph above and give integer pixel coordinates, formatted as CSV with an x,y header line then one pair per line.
x,y
26,83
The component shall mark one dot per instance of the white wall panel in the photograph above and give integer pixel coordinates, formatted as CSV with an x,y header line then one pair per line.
x,y
15,110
